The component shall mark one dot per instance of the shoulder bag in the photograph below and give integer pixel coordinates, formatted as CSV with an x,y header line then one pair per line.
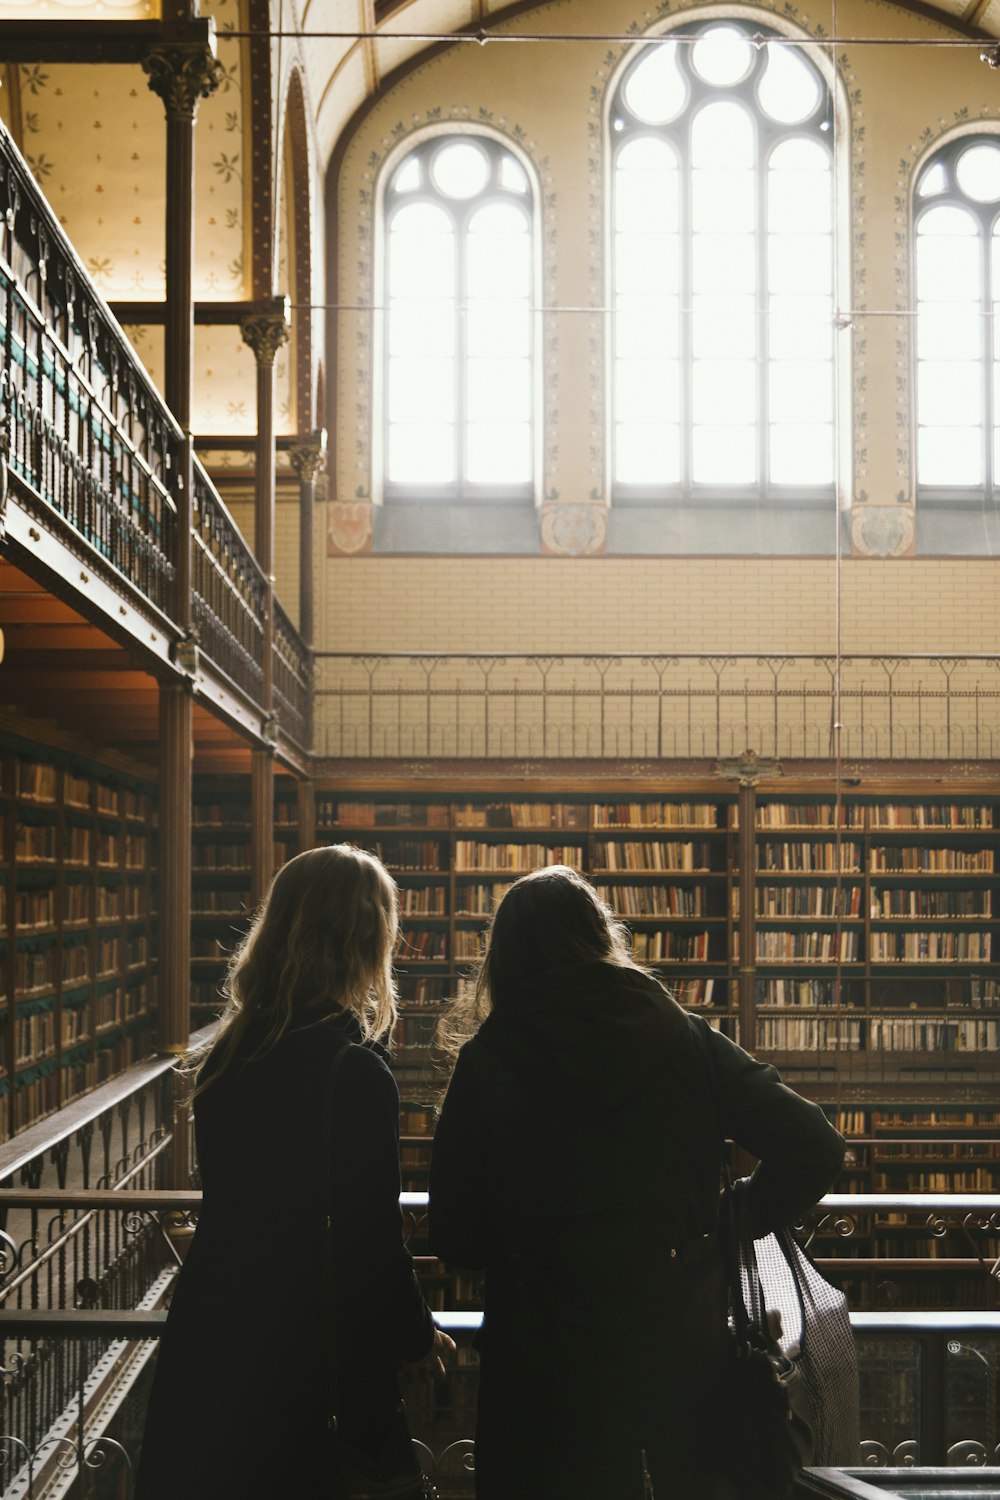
x,y
354,1476
790,1387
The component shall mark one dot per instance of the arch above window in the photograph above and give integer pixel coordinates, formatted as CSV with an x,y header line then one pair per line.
x,y
722,248
459,367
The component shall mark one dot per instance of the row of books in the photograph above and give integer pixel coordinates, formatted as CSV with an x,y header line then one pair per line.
x,y
878,1033
805,901
899,902
912,1034
930,947
905,815
473,855
426,900
521,815
371,814
423,944
670,947
865,1122
919,859
809,946
654,900
805,857
613,854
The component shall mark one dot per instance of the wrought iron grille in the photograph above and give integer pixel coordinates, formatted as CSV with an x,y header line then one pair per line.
x,y
649,706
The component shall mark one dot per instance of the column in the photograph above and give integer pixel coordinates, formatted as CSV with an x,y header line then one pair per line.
x,y
265,330
308,461
180,73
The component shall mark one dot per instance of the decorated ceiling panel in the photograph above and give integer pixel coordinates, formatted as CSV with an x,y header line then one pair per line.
x,y
95,138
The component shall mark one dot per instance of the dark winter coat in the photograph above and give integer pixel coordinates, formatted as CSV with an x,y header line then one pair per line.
x,y
577,1159
239,1399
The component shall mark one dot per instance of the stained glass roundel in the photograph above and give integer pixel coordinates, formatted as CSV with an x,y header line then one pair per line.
x,y
978,172
722,55
460,169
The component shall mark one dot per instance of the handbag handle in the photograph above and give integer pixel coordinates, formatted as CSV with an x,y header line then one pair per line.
x,y
329,1265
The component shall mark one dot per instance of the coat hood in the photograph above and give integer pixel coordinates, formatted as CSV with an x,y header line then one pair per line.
x,y
593,1033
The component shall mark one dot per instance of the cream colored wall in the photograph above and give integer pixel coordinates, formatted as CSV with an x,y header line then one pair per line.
x,y
898,102
664,604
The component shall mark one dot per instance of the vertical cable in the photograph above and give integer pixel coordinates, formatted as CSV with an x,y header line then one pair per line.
x,y
836,727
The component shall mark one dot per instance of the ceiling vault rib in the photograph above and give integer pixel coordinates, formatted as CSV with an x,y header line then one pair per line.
x,y
369,25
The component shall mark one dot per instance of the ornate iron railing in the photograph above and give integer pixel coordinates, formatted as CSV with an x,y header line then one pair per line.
x,y
87,437
292,680
649,705
228,591
91,1359
80,422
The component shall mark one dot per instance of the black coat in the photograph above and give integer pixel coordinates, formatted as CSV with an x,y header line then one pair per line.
x,y
580,1142
239,1399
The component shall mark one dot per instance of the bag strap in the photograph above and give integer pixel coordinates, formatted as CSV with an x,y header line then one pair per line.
x,y
329,1264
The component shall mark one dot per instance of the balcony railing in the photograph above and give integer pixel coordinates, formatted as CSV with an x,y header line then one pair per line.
x,y
292,680
228,591
84,432
647,705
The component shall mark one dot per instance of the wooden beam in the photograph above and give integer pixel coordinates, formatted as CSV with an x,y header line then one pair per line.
x,y
211,314
96,41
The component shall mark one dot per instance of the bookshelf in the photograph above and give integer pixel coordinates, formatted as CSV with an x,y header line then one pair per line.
x,y
221,875
77,926
664,865
871,979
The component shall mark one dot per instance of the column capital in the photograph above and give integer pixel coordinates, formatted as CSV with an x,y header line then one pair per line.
x,y
182,72
266,329
308,456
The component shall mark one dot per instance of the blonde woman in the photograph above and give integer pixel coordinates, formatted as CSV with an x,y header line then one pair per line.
x,y
240,1396
577,1159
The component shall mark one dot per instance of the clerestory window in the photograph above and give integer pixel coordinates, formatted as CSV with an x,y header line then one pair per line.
x,y
957,281
459,296
722,250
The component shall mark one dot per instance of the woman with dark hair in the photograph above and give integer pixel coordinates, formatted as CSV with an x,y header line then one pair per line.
x,y
577,1160
241,1395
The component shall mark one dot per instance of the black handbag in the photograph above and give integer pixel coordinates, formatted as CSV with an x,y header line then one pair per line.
x,y
396,1474
767,1412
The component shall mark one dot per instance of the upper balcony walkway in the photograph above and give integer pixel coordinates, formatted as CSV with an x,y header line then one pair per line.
x,y
91,462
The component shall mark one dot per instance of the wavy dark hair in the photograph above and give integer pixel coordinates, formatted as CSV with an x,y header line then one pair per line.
x,y
546,920
322,940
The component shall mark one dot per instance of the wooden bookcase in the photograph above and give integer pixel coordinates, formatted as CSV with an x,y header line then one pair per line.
x,y
221,876
872,977
77,926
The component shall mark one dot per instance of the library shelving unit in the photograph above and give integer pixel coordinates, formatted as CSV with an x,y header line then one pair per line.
x,y
77,926
661,864
221,900
866,916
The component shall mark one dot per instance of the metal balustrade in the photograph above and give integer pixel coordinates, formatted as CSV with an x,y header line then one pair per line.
x,y
228,591
646,706
292,680
83,1291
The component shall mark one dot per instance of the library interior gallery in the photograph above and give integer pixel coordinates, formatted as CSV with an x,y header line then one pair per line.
x,y
501,435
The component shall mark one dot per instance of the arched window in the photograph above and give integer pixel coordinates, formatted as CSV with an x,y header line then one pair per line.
x,y
723,268
459,371
957,281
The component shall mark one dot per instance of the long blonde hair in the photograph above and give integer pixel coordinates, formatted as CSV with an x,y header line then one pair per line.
x,y
322,939
546,920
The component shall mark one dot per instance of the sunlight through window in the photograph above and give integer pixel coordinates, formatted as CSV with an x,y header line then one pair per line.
x,y
459,335
722,243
